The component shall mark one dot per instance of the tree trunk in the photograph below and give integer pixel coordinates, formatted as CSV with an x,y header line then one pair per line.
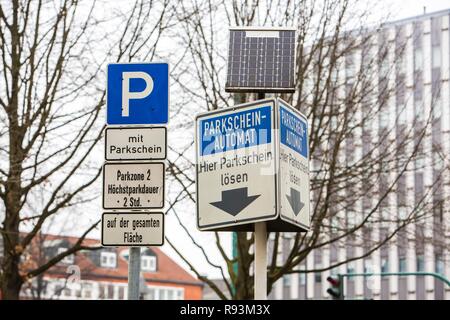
x,y
11,281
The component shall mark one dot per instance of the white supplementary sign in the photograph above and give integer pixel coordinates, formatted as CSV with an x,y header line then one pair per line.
x,y
294,165
252,166
136,143
133,185
236,180
133,229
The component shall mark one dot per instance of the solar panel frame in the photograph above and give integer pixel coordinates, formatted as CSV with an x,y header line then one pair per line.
x,y
268,47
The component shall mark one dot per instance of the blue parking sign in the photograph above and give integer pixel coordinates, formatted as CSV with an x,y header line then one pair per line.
x,y
138,93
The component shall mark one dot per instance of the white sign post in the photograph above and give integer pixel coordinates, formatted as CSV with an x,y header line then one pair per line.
x,y
133,185
260,261
133,229
136,143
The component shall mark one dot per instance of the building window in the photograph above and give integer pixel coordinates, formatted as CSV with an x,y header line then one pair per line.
x,y
287,280
108,259
401,63
318,275
438,161
440,210
418,90
436,53
418,180
102,291
439,263
302,278
334,272
179,294
418,60
150,294
350,69
402,265
148,263
420,164
402,213
350,268
121,293
87,291
383,64
111,291
418,110
437,107
77,290
402,116
164,293
384,119
368,266
67,293
67,259
57,289
335,224
420,263
351,219
384,265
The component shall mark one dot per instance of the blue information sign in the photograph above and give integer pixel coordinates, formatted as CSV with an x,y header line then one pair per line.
x,y
235,130
293,131
138,93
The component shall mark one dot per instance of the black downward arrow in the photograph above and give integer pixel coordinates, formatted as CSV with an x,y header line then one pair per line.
x,y
234,200
294,201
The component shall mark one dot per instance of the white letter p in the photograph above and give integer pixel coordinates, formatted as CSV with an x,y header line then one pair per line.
x,y
127,95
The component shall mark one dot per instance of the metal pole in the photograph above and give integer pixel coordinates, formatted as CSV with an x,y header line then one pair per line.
x,y
235,255
134,270
260,252
238,99
260,261
341,287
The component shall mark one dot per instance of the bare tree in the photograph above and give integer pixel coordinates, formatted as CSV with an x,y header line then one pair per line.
x,y
52,93
360,147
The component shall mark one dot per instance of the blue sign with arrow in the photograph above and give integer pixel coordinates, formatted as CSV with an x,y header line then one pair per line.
x,y
138,93
238,182
294,166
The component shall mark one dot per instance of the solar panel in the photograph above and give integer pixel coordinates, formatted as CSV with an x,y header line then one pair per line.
x,y
261,60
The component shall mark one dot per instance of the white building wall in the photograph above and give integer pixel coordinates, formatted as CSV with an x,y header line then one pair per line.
x,y
428,172
410,193
310,276
374,261
445,92
392,199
